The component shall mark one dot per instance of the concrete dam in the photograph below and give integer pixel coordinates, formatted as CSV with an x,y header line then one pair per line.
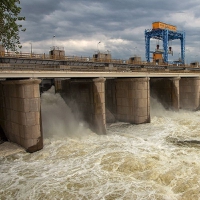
x,y
103,90
125,99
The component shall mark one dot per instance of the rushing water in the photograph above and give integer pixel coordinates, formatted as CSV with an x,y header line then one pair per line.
x,y
159,160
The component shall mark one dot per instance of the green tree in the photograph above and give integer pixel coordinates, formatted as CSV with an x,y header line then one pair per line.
x,y
9,27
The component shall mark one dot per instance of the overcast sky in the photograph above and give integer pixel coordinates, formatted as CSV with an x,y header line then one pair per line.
x,y
79,26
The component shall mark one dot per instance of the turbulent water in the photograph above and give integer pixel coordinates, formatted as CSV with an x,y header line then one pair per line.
x,y
159,160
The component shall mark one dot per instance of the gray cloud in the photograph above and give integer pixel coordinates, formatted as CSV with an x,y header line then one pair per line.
x,y
80,24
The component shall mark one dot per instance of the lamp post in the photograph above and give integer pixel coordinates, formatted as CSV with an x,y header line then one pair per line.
x,y
187,56
31,48
135,51
97,46
196,61
179,57
53,39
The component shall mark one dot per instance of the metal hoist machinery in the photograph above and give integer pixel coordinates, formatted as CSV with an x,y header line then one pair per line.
x,y
166,33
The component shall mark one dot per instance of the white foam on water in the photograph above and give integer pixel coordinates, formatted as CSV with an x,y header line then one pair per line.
x,y
58,119
131,162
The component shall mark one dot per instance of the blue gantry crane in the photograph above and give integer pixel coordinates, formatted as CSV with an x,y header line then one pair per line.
x,y
166,33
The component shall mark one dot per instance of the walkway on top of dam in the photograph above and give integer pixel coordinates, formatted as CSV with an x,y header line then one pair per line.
x,y
81,74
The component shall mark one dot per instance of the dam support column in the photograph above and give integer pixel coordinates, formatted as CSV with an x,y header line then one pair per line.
x,y
87,96
99,117
166,90
175,102
110,99
190,93
133,100
21,114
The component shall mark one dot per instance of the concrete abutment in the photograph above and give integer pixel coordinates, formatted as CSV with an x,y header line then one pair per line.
x,y
190,93
166,90
133,100
86,98
21,114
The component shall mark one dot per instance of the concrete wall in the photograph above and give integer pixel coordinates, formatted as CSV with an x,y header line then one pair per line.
x,y
132,99
190,93
20,115
86,98
166,90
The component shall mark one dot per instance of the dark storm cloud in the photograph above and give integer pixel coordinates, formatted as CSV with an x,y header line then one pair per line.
x,y
119,25
37,8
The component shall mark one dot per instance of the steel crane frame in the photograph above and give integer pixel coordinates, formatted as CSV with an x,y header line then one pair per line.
x,y
165,35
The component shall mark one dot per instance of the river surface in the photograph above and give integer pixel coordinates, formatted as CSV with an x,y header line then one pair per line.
x,y
159,160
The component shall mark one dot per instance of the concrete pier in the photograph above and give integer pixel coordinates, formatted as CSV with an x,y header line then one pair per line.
x,y
175,97
133,100
20,113
190,93
166,90
99,114
86,98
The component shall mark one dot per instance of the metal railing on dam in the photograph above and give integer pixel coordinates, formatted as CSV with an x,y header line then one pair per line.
x,y
77,59
61,58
